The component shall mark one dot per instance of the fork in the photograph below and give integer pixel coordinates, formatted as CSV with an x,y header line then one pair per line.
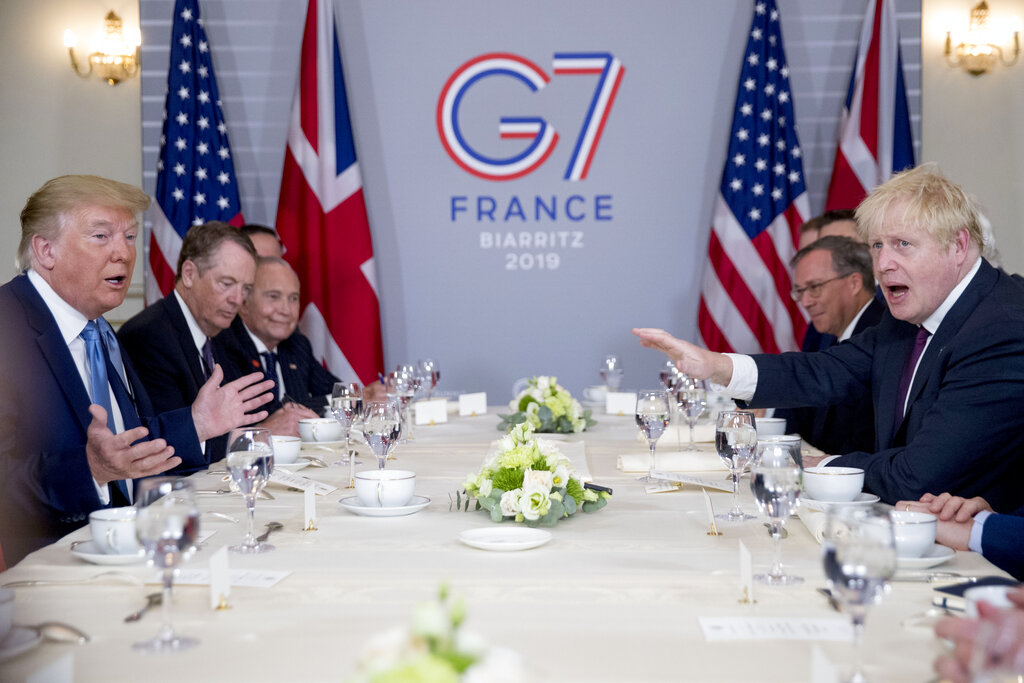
x,y
103,576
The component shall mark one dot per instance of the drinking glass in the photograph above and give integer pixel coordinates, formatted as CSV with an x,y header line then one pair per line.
x,y
250,462
347,407
775,478
400,387
166,524
692,402
611,372
382,427
735,440
430,371
652,416
859,555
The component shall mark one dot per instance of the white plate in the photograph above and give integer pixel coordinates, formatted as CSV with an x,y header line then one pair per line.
x,y
862,500
504,538
18,640
351,503
90,552
936,555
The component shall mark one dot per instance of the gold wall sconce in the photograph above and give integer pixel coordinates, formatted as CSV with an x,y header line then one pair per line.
x,y
982,46
116,57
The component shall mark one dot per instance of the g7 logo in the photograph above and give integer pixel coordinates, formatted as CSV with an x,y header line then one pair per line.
x,y
542,136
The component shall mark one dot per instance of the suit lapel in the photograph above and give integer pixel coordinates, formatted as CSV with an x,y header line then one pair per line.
x,y
188,345
294,383
892,355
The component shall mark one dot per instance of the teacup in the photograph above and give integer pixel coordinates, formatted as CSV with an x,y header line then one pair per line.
x,y
320,429
833,484
385,488
993,595
6,611
113,531
914,532
595,393
771,426
286,449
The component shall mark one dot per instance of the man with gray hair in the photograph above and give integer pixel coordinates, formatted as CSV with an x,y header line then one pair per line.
x,y
944,368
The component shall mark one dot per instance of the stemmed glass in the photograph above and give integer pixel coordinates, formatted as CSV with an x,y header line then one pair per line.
x,y
735,440
693,401
775,479
430,372
250,462
347,407
166,524
611,372
401,389
652,416
859,554
382,427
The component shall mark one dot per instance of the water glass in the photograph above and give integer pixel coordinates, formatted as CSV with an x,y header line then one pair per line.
x,y
775,480
382,427
652,417
347,407
692,401
430,374
611,372
735,440
250,461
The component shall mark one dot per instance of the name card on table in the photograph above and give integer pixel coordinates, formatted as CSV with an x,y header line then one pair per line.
x,y
310,508
620,403
746,574
471,405
695,481
433,411
297,481
775,628
220,579
242,578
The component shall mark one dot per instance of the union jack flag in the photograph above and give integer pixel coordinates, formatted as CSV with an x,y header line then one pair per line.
x,y
745,303
195,180
321,215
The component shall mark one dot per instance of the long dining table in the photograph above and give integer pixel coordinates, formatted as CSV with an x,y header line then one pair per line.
x,y
616,595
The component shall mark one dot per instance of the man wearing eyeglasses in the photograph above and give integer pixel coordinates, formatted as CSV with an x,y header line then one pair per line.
x,y
835,285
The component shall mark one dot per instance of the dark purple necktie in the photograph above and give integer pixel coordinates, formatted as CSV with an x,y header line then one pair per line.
x,y
908,372
207,359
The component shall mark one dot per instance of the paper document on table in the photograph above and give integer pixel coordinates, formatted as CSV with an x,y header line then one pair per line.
x,y
722,485
678,436
687,461
576,451
244,578
297,481
775,628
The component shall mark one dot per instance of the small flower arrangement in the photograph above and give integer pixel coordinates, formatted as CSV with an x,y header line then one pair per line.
x,y
548,407
530,481
436,649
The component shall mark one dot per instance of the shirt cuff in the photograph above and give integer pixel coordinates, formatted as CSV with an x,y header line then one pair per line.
x,y
977,529
744,378
827,459
103,491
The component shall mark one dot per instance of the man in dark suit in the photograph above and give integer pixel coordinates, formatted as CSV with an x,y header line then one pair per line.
x,y
836,223
944,368
265,337
833,282
76,425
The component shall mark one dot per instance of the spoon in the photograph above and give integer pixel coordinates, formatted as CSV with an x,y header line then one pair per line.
x,y
271,526
315,461
152,600
59,632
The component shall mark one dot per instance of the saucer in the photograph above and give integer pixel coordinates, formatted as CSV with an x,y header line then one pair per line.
x,y
19,639
351,503
328,444
934,556
862,500
90,552
504,539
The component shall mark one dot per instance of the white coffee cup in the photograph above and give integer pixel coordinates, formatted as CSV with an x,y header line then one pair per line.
x,y
833,484
914,532
595,393
993,595
113,531
6,611
385,488
771,426
286,449
314,429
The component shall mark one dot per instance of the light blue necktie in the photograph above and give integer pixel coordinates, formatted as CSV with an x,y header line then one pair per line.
x,y
99,388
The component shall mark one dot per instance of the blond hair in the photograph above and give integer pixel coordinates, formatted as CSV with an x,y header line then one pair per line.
x,y
46,212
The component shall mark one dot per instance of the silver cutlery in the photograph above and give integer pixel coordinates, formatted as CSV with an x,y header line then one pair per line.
x,y
58,632
152,600
935,577
98,578
314,461
271,526
832,601
263,494
221,515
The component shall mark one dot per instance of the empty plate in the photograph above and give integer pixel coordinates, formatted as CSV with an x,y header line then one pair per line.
x,y
933,557
352,504
862,499
88,551
505,538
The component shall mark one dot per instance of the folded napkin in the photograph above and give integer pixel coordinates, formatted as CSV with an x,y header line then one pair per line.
x,y
687,461
815,523
703,432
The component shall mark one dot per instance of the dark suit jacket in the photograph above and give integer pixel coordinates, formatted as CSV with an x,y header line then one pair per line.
x,y
1002,542
306,381
842,427
46,487
160,344
964,427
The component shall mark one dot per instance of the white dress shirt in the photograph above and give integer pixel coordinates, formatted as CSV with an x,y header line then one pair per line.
x,y
262,348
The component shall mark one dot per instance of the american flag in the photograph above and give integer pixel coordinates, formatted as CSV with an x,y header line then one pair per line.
x,y
745,305
195,180
875,140
321,216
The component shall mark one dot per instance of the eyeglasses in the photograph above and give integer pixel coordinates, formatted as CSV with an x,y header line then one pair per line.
x,y
814,290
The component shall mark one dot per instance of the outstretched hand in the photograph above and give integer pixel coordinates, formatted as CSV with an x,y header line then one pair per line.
x,y
693,360
112,456
219,409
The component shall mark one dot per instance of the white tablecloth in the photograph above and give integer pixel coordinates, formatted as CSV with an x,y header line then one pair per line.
x,y
615,596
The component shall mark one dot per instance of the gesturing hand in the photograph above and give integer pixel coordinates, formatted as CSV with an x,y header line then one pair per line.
x,y
693,360
219,409
285,420
112,456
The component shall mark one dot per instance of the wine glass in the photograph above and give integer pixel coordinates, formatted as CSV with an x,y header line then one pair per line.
x,y
347,407
401,389
382,427
735,440
775,478
250,462
693,401
652,416
611,372
166,524
431,373
859,555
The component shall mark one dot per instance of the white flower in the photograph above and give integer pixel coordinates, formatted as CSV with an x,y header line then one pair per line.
x,y
429,620
540,478
535,501
561,477
575,410
486,487
536,394
510,501
549,449
499,666
506,443
543,383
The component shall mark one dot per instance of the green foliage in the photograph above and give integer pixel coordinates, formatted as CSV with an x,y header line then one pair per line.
x,y
508,479
594,506
574,489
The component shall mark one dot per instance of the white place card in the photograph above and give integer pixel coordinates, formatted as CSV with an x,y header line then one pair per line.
x,y
746,575
471,405
297,481
434,411
775,628
239,578
695,481
662,487
309,510
712,527
220,578
620,403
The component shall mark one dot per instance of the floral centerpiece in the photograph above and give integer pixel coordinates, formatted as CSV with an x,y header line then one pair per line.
x,y
531,481
548,407
436,649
